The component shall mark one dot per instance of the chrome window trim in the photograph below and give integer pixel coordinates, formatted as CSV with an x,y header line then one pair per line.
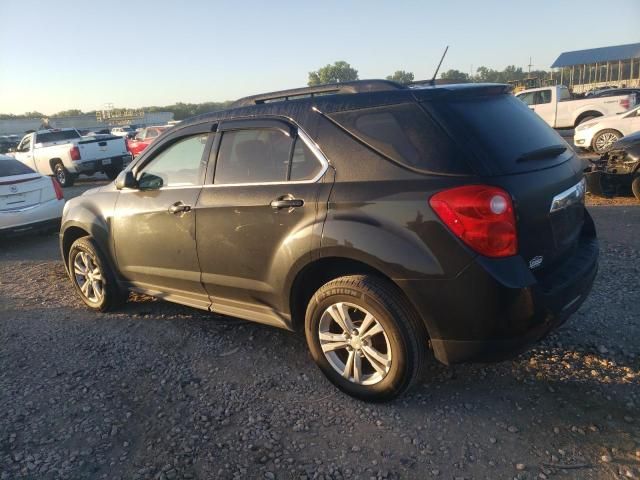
x,y
314,149
570,196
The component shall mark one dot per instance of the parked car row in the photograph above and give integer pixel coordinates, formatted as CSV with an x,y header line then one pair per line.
x,y
602,121
8,143
559,109
66,154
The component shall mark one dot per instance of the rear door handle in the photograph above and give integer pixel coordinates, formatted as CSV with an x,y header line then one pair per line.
x,y
179,207
287,203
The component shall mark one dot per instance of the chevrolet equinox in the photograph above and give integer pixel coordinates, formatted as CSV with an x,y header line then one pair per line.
x,y
386,222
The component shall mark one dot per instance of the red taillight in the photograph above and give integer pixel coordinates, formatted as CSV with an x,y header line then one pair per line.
x,y
481,216
624,103
75,153
57,188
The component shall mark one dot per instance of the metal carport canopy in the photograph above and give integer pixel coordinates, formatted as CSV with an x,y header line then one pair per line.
x,y
598,55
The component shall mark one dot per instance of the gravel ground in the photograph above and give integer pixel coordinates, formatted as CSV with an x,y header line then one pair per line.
x,y
161,391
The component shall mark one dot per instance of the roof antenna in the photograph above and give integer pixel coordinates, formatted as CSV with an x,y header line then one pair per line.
x,y
435,74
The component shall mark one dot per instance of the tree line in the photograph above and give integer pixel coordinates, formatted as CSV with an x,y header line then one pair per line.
x,y
339,71
342,71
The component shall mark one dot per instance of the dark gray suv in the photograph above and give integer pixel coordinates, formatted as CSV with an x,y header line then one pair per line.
x,y
382,220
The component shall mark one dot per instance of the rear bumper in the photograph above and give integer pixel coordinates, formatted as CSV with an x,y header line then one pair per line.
x,y
495,309
91,166
43,225
40,217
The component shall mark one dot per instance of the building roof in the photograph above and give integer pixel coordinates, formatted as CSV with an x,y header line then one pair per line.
x,y
598,55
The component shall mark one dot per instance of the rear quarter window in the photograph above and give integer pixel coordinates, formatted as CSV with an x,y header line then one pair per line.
x,y
405,134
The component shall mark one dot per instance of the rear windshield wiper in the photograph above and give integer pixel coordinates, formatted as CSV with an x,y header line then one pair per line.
x,y
542,153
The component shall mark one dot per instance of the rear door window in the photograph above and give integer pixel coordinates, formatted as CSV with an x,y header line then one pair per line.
x,y
253,156
405,134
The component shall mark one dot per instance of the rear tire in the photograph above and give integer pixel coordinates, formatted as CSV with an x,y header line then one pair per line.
x,y
93,277
635,186
384,353
64,177
603,140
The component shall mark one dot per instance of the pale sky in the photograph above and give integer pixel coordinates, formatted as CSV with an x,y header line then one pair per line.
x,y
63,54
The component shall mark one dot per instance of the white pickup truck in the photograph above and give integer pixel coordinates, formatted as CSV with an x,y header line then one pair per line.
x,y
66,154
556,106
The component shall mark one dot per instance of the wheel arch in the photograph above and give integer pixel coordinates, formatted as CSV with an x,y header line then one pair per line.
x,y
318,272
53,161
70,235
583,115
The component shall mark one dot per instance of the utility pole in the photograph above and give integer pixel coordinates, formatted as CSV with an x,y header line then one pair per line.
x,y
530,65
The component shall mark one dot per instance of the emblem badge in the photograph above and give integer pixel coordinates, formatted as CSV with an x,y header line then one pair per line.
x,y
535,262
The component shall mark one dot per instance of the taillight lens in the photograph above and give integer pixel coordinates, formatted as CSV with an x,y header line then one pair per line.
x,y
57,188
481,216
624,103
75,153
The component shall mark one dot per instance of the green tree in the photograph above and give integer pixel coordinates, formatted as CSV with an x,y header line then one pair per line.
x,y
402,77
340,71
68,113
455,76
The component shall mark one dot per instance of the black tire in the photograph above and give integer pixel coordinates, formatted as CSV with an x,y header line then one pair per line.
x,y
112,296
610,133
111,173
64,177
405,332
635,186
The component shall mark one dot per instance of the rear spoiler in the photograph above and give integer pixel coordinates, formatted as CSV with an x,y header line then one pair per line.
x,y
461,90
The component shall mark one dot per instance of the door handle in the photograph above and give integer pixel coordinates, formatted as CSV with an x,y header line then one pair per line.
x,y
179,207
287,203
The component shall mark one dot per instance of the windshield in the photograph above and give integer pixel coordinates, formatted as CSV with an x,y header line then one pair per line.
x,y
49,137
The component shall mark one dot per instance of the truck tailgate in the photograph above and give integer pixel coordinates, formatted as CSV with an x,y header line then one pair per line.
x,y
101,148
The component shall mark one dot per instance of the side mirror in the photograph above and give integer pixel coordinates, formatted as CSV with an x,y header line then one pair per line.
x,y
12,150
126,179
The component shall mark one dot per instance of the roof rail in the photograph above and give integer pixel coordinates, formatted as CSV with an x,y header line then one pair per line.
x,y
358,86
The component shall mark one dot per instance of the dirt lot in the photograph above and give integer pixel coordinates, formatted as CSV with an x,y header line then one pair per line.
x,y
167,392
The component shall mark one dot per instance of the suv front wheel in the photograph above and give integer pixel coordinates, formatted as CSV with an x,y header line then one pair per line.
x,y
365,337
93,277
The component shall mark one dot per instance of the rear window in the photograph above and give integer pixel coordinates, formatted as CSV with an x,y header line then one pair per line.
x,y
12,167
56,136
500,129
405,134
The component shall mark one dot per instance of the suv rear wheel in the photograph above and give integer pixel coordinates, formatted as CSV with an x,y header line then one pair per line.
x,y
93,277
365,337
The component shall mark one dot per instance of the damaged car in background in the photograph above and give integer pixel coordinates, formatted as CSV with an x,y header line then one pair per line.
x,y
616,169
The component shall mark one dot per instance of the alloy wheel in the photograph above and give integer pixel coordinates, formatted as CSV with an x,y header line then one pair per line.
x,y
604,141
355,343
88,277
